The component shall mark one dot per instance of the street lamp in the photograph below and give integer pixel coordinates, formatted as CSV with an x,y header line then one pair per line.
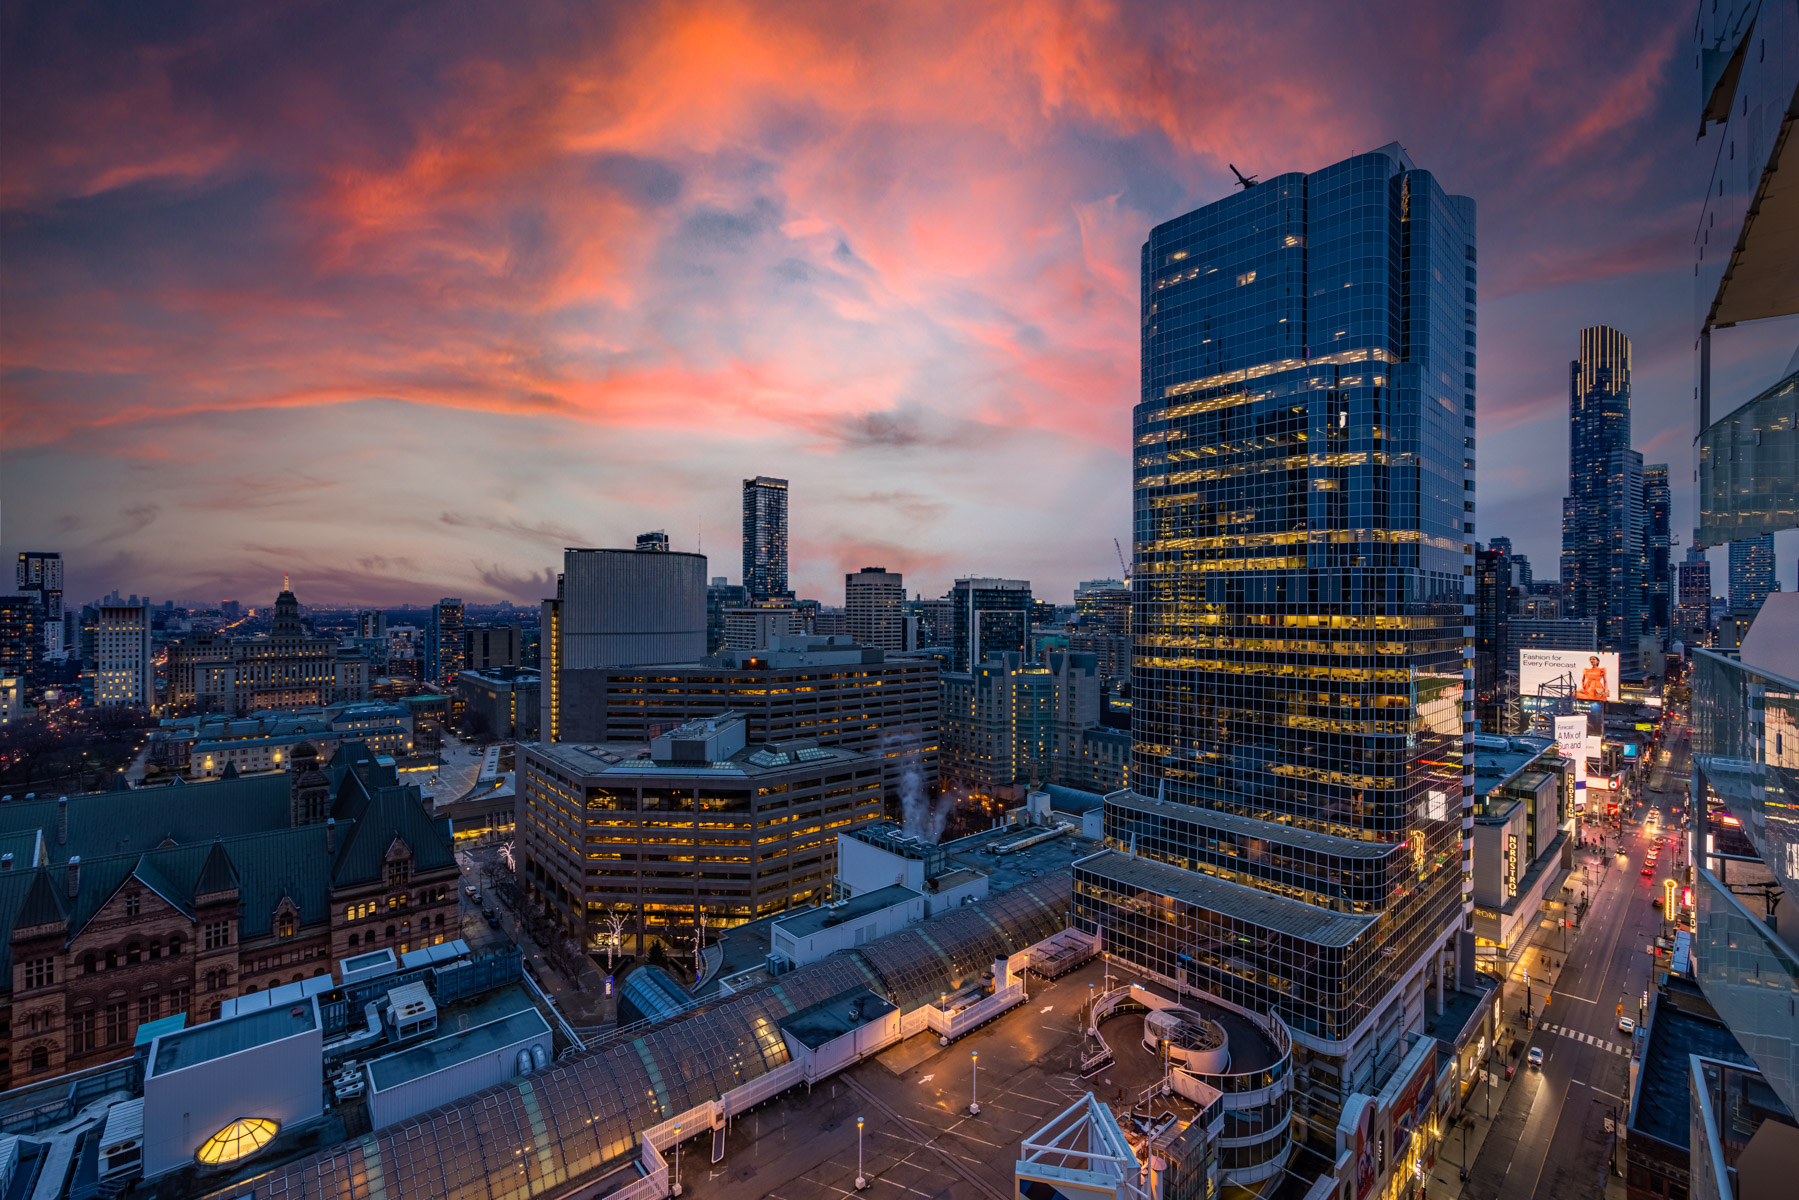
x,y
974,1083
676,1190
860,1181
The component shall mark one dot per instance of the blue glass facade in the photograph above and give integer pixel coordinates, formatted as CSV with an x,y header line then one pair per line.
x,y
1304,555
1603,517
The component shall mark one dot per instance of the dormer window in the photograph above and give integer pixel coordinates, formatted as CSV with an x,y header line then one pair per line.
x,y
284,925
399,863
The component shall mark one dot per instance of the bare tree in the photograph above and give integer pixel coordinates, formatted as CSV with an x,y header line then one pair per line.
x,y
615,932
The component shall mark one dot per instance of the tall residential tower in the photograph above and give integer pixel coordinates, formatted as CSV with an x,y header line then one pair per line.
x,y
1295,839
765,538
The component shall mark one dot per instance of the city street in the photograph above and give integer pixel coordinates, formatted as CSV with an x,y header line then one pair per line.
x,y
1549,1135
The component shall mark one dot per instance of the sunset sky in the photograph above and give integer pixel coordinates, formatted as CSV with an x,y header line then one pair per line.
x,y
403,298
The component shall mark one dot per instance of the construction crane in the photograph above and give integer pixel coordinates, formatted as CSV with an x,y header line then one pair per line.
x,y
1122,565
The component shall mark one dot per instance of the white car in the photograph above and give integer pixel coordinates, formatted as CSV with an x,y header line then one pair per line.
x,y
1535,1056
1626,1025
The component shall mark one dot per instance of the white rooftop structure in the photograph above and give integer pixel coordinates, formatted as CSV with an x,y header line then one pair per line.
x,y
1081,1152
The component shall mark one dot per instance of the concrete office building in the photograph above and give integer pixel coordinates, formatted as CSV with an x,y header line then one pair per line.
x,y
700,825
1523,792
842,694
765,538
987,617
488,647
620,608
503,701
124,673
1011,725
759,626
874,602
1292,842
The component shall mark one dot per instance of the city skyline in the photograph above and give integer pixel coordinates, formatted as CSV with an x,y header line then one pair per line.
x,y
519,311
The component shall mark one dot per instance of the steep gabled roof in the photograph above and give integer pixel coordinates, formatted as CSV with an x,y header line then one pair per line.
x,y
14,886
43,902
107,823
393,812
290,862
150,875
217,874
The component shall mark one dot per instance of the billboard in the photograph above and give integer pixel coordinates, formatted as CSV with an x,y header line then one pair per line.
x,y
1583,675
1571,736
1571,740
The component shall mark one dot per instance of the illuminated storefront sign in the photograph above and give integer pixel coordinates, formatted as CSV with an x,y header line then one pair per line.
x,y
1511,864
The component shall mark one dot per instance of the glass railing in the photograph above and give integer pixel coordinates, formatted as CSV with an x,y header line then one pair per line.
x,y
1746,748
1751,976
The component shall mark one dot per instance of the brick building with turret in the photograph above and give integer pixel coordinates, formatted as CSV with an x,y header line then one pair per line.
x,y
128,907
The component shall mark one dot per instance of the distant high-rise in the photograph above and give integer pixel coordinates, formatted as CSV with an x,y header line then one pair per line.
x,y
874,601
1102,626
1602,515
1751,572
1658,550
40,576
1693,619
125,676
988,617
487,647
21,638
1492,619
655,539
765,538
370,623
443,650
721,597
1522,578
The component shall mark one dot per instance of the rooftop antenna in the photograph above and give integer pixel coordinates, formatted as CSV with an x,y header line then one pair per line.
x,y
1243,181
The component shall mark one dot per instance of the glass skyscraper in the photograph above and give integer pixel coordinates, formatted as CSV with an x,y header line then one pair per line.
x,y
1296,839
1658,542
1602,516
1751,572
765,538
